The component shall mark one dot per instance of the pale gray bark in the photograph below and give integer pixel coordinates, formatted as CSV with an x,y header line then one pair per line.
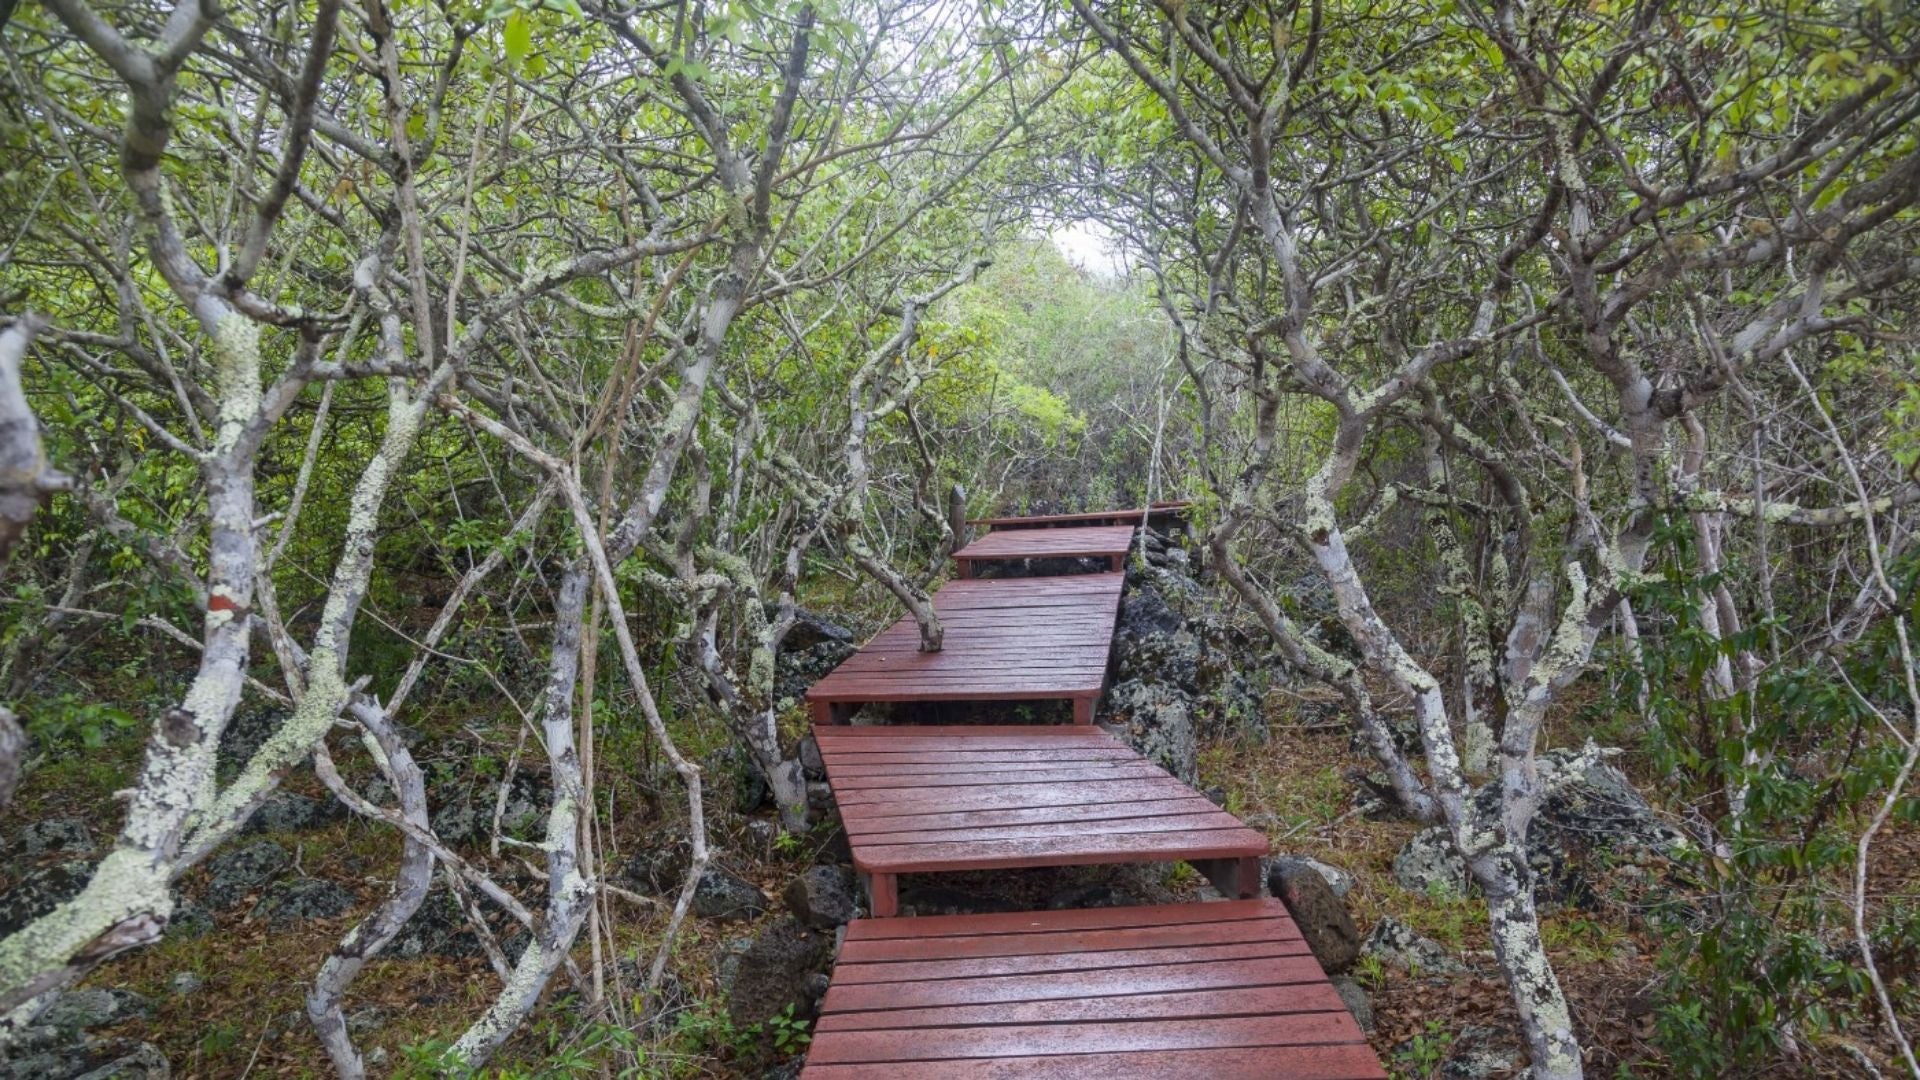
x,y
326,999
26,479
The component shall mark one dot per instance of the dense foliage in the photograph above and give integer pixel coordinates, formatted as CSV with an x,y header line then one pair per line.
x,y
520,374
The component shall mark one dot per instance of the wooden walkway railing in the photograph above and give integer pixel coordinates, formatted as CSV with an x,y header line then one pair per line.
x,y
1214,990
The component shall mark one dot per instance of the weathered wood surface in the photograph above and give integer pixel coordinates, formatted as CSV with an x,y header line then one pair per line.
x,y
1160,513
1109,542
1015,639
934,799
1223,990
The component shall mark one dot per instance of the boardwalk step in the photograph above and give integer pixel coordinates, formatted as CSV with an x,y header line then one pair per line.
x,y
1175,990
1006,640
926,799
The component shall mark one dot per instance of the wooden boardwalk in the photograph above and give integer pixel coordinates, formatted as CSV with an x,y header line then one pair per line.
x,y
928,799
1018,639
1196,991
1224,991
1160,513
1109,542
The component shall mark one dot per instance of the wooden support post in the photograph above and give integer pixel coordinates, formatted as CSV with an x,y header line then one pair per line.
x,y
965,567
1083,710
1116,563
883,895
831,712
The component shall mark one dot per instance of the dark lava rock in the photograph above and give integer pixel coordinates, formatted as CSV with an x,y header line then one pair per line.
x,y
1337,879
249,729
761,837
81,1010
1398,945
799,667
1428,864
1591,807
63,835
289,903
466,816
820,799
189,921
834,845
1156,719
231,875
724,895
774,971
1356,999
811,628
440,928
1322,917
1592,821
1181,671
823,897
83,1058
658,869
942,900
39,891
1089,896
1030,568
459,822
811,762
143,1061
287,811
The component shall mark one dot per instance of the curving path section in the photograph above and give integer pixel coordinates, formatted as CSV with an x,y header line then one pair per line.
x,y
1019,639
934,799
1224,990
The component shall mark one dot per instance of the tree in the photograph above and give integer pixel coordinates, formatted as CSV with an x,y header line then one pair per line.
x,y
1338,204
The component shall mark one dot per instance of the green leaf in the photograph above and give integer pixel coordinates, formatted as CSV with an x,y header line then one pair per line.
x,y
517,36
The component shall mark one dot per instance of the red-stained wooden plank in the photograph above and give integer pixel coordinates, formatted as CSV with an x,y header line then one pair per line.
x,y
986,770
925,1044
1067,920
1085,541
1175,508
873,756
1067,941
1238,1001
904,738
1073,984
988,966
1124,826
1118,770
978,669
1015,797
1008,661
1060,851
860,823
1258,1063
1048,922
888,731
1012,640
868,738
1003,692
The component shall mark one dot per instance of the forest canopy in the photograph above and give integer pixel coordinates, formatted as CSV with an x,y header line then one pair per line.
x,y
476,425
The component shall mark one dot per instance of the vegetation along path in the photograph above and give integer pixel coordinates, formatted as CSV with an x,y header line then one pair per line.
x,y
469,470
